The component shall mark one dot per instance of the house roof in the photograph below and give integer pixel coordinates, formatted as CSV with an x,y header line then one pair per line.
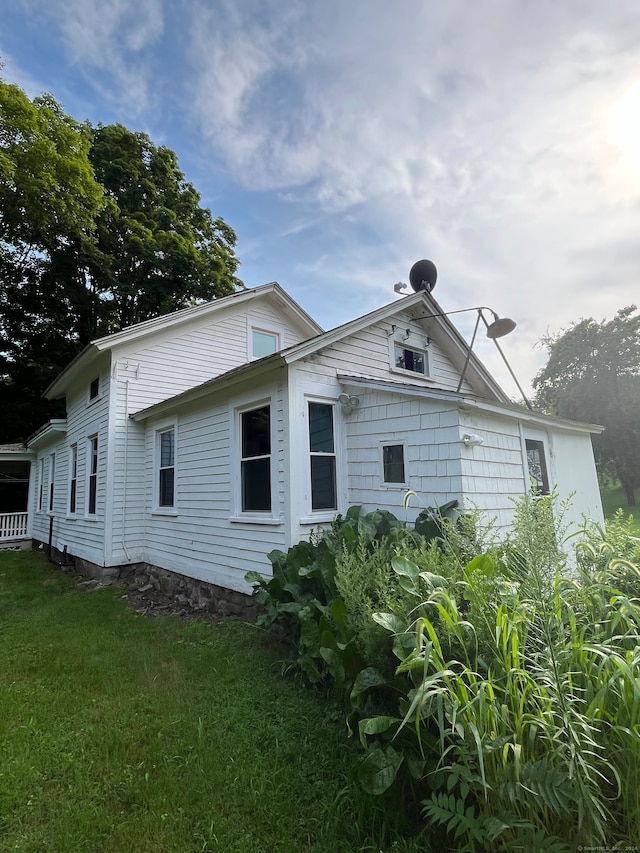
x,y
47,432
452,342
15,453
158,324
470,402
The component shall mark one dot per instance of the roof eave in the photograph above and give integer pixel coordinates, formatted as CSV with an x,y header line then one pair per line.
x,y
47,432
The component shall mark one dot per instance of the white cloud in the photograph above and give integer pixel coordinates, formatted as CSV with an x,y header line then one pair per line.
x,y
477,134
113,38
498,138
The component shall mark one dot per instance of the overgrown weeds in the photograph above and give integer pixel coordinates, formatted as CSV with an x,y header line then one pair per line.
x,y
500,694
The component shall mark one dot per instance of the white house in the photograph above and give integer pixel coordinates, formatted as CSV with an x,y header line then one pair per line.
x,y
199,441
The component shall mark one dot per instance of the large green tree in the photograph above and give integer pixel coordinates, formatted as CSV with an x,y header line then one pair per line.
x,y
99,229
49,199
593,375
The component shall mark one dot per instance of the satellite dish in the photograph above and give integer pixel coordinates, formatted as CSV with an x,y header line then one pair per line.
x,y
423,276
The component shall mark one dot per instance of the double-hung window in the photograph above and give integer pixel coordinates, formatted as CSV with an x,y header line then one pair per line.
x,y
41,486
166,467
255,459
322,450
92,467
52,479
73,478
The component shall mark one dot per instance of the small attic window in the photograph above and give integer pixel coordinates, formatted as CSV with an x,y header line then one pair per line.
x,y
94,388
415,361
263,343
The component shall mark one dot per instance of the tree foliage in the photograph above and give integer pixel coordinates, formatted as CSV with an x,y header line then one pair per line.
x,y
593,375
99,229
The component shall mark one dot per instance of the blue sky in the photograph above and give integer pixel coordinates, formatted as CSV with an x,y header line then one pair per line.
x,y
345,139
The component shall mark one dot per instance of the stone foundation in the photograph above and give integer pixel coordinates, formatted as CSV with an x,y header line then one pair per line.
x,y
162,589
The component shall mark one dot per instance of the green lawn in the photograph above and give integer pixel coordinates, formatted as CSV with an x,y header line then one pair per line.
x,y
613,498
121,733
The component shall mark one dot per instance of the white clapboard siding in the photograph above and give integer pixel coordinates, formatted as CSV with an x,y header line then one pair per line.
x,y
200,539
153,369
367,354
168,363
83,535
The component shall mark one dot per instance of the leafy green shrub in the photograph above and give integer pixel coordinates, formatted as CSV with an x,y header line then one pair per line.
x,y
497,689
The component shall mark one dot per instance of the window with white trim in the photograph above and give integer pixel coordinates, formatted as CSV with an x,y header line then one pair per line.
x,y
322,451
165,454
255,460
393,463
41,486
52,479
263,343
411,359
73,478
92,468
94,388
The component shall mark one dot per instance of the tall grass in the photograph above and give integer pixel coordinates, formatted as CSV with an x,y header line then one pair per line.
x,y
505,703
530,718
119,733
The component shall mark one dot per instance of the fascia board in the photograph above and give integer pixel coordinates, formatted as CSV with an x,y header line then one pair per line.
x,y
18,455
48,433
307,348
158,324
424,301
59,385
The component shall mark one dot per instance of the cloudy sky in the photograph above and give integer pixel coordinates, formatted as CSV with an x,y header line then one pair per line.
x,y
345,139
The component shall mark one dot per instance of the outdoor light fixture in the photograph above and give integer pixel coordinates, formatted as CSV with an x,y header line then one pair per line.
x,y
349,403
498,328
470,439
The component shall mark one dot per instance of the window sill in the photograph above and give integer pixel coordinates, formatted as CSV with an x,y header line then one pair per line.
x,y
169,511
411,374
320,517
394,487
255,519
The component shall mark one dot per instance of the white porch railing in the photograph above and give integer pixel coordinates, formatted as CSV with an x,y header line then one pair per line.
x,y
13,525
